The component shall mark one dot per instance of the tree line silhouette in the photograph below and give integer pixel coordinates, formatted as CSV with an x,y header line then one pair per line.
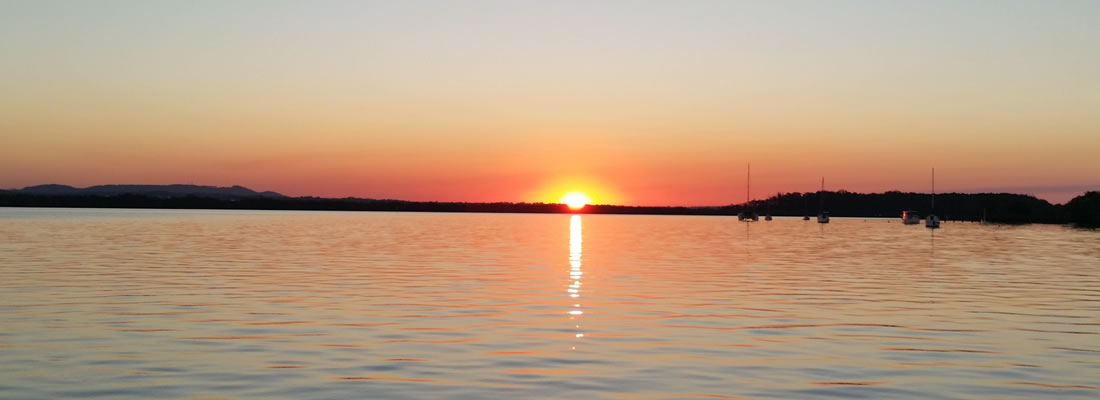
x,y
1007,208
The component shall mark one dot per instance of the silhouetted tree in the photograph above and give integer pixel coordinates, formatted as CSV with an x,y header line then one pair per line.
x,y
1084,210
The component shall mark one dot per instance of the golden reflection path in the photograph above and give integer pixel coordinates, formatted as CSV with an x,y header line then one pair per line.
x,y
575,273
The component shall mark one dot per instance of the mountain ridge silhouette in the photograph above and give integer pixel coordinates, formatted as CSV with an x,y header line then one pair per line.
x,y
173,190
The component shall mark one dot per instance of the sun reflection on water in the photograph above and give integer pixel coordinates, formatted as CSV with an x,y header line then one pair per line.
x,y
575,273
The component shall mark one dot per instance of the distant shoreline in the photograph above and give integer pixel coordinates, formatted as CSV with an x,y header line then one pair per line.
x,y
454,212
994,207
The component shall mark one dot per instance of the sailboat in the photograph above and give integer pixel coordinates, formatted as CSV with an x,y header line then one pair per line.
x,y
748,216
822,215
805,208
932,221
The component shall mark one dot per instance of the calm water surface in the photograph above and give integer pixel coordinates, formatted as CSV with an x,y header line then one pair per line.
x,y
302,305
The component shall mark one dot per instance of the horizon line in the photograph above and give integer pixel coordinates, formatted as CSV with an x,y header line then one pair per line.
x,y
1063,188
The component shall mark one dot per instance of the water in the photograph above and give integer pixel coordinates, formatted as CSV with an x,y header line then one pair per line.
x,y
232,304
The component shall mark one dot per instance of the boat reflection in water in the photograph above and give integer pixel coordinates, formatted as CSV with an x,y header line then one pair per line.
x,y
575,273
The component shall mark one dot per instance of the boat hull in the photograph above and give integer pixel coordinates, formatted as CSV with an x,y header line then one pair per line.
x,y
932,221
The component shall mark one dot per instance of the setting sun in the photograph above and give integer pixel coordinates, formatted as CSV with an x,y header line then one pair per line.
x,y
576,200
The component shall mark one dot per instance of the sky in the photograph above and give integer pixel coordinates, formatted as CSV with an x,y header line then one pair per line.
x,y
632,102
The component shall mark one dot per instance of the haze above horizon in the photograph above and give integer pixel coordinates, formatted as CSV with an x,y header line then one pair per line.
x,y
637,103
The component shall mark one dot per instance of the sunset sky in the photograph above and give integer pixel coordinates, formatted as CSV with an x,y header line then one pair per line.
x,y
644,103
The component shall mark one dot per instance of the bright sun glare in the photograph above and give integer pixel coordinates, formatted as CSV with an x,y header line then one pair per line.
x,y
576,200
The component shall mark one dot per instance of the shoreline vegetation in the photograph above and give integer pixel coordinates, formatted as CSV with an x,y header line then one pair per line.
x,y
1007,208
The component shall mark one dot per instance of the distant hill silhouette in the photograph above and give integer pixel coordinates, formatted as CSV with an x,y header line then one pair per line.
x,y
995,207
149,190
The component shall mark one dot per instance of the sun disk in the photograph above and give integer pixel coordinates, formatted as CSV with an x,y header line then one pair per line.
x,y
576,200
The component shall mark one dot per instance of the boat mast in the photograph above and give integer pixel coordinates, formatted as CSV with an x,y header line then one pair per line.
x,y
933,189
748,180
821,196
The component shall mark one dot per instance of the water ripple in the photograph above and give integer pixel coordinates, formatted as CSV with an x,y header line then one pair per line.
x,y
297,305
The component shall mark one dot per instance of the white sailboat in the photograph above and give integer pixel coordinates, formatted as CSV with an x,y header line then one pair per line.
x,y
822,215
932,221
748,216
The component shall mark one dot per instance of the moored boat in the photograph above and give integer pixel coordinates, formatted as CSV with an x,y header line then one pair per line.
x,y
932,221
748,215
910,217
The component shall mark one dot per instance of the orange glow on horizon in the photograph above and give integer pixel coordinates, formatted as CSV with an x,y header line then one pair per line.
x,y
584,189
